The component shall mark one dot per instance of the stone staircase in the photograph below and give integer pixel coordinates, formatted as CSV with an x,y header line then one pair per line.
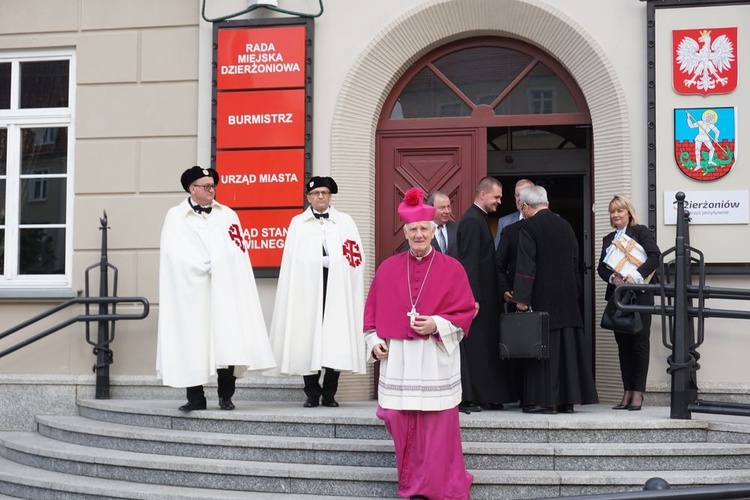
x,y
145,448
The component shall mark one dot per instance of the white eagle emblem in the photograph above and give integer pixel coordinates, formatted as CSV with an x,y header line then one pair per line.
x,y
704,61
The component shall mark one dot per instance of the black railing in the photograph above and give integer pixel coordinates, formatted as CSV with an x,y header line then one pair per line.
x,y
678,312
104,317
654,489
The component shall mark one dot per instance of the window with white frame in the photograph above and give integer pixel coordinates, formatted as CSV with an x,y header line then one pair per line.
x,y
36,120
542,101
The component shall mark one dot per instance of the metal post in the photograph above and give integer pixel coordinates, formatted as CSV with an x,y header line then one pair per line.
x,y
102,344
682,395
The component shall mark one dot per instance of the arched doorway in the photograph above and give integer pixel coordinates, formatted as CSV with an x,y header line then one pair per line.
x,y
486,106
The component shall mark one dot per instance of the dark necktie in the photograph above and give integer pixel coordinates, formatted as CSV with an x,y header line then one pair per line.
x,y
320,216
199,209
442,243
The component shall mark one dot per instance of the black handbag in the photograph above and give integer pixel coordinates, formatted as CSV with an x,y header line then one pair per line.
x,y
622,321
524,335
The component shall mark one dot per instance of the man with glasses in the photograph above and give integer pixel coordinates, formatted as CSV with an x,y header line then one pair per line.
x,y
317,319
210,319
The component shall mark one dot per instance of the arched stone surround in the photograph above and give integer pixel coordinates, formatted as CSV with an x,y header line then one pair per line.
x,y
438,22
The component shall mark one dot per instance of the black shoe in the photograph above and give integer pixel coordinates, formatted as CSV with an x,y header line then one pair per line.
x,y
633,407
566,408
620,407
330,402
226,404
193,405
469,407
311,403
546,410
492,406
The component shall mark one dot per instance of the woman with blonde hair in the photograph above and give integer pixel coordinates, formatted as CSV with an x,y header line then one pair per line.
x,y
633,349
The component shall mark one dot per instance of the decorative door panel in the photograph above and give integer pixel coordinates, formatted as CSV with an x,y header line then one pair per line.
x,y
451,161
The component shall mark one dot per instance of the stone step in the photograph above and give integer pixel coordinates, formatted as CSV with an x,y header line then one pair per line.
x,y
34,450
590,424
22,481
253,387
379,453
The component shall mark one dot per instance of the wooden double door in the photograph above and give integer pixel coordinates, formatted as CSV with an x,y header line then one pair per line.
x,y
454,160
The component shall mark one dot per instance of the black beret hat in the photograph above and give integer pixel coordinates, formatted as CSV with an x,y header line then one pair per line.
x,y
192,174
319,182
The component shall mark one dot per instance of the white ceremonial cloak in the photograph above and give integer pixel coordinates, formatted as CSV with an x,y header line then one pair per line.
x,y
422,375
209,311
303,339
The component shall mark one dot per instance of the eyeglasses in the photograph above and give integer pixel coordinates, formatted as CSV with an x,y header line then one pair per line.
x,y
207,187
316,194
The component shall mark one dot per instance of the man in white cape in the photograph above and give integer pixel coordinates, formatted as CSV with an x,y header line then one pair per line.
x,y
210,319
317,319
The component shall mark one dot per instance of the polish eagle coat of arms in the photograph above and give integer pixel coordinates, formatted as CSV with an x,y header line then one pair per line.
x,y
704,61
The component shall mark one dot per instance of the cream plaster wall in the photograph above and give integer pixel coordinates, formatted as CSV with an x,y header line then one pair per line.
x,y
136,130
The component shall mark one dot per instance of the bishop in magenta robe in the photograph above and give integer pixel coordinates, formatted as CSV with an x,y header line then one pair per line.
x,y
419,307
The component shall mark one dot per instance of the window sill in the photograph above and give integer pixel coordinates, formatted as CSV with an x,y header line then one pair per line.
x,y
38,293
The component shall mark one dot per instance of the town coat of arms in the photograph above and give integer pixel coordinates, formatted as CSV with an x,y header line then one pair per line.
x,y
705,144
704,61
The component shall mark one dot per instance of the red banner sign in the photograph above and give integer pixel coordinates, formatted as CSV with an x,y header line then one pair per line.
x,y
262,129
260,119
264,232
261,58
261,178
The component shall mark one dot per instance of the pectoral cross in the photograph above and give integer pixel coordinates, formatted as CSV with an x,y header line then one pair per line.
x,y
412,315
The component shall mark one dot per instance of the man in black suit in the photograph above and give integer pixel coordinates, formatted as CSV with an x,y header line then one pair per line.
x,y
484,376
512,217
507,251
446,233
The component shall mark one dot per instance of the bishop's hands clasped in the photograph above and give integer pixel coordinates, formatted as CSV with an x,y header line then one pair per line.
x,y
424,325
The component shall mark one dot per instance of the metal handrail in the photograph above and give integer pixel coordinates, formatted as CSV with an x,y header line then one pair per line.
x,y
713,492
76,319
105,318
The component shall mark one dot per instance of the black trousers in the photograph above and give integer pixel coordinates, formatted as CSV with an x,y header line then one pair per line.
x,y
634,350
313,389
226,382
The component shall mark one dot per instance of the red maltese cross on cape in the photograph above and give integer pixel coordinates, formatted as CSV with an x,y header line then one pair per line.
x,y
705,61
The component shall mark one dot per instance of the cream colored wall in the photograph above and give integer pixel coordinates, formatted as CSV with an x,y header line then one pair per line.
x,y
136,131
143,115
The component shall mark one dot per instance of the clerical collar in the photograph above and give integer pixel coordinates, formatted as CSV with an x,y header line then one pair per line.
x,y
429,251
480,208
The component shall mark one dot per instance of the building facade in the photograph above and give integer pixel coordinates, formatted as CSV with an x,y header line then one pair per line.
x,y
108,102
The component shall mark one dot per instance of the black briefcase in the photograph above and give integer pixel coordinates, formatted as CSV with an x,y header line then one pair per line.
x,y
524,335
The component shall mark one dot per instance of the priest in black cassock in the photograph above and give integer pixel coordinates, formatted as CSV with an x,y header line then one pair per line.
x,y
484,376
547,279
